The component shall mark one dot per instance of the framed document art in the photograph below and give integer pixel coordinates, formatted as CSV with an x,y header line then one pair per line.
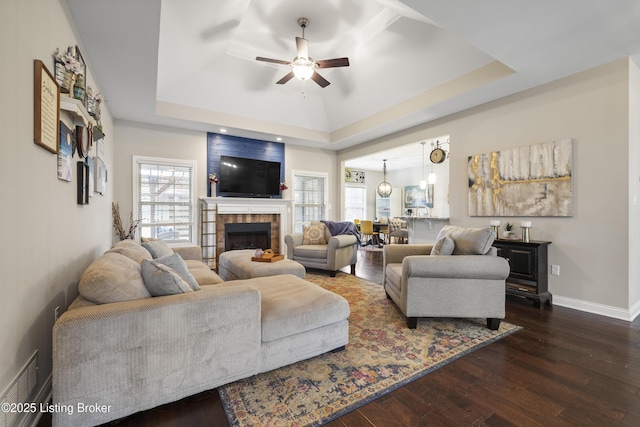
x,y
46,108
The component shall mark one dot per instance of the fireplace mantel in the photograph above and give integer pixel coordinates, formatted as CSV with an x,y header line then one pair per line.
x,y
214,208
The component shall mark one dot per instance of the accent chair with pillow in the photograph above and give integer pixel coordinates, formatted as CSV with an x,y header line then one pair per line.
x,y
317,248
458,276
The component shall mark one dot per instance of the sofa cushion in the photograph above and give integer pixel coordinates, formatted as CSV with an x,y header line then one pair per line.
x,y
157,248
112,277
130,249
443,246
469,241
314,235
161,280
393,273
202,273
310,251
291,305
175,262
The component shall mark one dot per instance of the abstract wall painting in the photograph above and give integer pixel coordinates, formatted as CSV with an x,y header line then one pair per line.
x,y
526,181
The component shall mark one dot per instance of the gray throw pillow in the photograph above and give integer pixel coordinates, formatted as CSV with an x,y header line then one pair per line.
x,y
444,246
175,262
161,280
157,248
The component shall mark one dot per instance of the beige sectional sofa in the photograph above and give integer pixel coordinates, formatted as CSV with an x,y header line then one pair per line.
x,y
117,350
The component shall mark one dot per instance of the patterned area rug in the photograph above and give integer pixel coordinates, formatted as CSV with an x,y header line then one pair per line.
x,y
382,355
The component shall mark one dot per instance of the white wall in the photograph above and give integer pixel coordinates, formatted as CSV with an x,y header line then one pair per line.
x,y
138,139
634,186
48,240
591,108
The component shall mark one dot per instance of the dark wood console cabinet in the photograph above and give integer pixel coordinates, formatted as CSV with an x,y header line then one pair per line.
x,y
529,269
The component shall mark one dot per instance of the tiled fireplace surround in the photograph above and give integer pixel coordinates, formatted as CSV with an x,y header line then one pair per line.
x,y
223,210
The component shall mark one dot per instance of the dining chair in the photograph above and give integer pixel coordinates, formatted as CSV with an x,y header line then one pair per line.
x,y
366,231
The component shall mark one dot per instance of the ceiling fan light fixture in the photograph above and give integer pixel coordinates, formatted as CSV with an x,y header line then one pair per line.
x,y
303,68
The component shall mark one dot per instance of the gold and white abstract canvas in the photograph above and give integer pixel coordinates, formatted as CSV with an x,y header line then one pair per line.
x,y
524,181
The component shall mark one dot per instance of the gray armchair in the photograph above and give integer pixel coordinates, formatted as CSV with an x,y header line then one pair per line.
x,y
468,283
338,251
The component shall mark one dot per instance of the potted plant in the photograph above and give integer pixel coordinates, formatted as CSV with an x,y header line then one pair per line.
x,y
508,232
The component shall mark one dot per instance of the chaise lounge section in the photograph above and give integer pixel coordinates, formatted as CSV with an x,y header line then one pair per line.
x,y
140,352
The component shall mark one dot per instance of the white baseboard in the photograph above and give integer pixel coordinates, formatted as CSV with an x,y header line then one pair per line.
x,y
600,309
42,398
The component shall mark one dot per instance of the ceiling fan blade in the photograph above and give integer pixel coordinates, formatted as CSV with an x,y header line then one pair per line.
x,y
332,63
303,47
322,82
275,61
286,78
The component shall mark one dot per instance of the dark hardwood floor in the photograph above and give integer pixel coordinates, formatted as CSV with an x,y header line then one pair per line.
x,y
566,368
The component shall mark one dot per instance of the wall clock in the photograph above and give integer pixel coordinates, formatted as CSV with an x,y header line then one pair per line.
x,y
438,155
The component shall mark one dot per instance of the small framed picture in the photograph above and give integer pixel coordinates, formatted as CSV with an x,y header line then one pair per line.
x,y
83,183
46,108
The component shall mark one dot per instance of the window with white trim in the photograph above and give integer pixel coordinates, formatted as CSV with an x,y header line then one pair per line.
x,y
310,198
355,202
164,198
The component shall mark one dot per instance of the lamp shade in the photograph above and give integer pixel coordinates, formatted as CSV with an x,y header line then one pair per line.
x,y
303,68
384,189
303,72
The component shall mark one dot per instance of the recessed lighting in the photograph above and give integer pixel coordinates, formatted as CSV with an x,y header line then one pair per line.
x,y
223,130
278,139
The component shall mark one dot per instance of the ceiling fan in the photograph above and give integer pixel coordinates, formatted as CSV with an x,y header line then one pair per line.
x,y
303,66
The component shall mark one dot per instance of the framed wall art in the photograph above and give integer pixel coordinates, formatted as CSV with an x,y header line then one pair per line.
x,y
534,180
100,176
66,147
46,108
83,183
416,197
352,175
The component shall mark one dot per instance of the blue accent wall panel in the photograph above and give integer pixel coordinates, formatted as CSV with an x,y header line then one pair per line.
x,y
227,145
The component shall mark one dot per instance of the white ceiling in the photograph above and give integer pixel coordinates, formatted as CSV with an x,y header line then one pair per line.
x,y
191,63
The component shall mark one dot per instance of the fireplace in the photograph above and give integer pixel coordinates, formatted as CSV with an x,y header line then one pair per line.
x,y
247,235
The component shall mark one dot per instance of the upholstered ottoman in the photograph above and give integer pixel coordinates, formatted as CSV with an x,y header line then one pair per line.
x,y
234,265
299,319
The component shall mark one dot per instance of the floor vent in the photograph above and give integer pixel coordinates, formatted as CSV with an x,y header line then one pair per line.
x,y
21,391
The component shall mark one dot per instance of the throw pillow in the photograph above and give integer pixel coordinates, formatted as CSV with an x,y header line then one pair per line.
x,y
469,241
161,280
444,246
175,262
111,278
130,249
313,235
157,248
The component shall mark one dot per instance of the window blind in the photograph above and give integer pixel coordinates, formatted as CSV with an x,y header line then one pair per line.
x,y
309,195
165,200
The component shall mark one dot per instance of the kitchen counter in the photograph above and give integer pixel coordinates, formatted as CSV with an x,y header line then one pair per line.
x,y
424,229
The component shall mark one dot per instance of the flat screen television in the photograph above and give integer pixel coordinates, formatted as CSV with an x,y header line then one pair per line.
x,y
241,177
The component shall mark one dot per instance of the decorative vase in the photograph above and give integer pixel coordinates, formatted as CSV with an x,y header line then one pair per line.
x,y
212,186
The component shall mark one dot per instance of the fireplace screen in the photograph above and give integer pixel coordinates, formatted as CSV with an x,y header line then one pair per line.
x,y
248,235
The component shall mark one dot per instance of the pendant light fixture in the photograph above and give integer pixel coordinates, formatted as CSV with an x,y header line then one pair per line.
x,y
423,183
384,188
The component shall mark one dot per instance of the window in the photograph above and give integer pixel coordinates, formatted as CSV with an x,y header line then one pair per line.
x,y
164,198
310,198
355,202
